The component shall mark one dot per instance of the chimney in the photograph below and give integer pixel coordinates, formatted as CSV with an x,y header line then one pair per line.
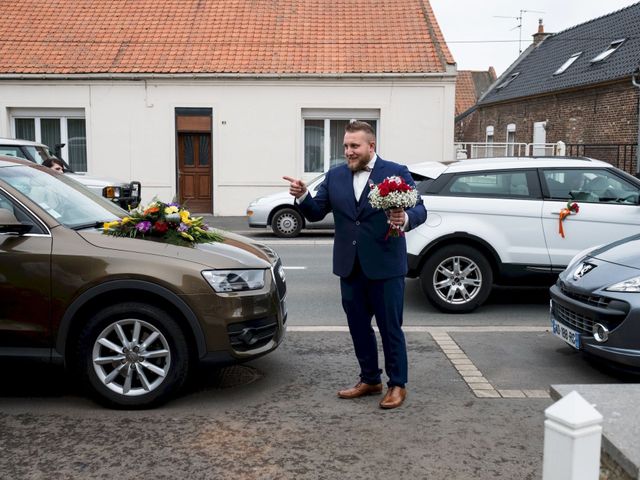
x,y
492,73
540,34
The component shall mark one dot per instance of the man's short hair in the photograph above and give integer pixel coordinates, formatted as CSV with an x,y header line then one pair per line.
x,y
358,126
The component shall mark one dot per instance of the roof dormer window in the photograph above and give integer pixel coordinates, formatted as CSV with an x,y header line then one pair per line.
x,y
508,81
568,63
613,46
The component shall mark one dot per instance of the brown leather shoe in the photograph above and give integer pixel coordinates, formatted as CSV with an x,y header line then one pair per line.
x,y
360,390
393,398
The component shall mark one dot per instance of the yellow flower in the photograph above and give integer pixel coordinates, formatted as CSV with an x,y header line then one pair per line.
x,y
108,225
187,236
170,210
126,220
184,216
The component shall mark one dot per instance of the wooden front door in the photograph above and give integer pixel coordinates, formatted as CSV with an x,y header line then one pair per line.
x,y
194,172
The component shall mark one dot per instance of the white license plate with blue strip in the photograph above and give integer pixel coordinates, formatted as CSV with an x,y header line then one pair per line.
x,y
565,333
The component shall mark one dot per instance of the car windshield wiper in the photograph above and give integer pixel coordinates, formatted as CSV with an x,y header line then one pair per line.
x,y
84,226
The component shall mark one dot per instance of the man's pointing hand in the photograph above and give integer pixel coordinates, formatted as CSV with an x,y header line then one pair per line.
x,y
297,188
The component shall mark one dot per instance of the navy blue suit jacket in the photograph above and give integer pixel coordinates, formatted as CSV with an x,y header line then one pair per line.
x,y
361,229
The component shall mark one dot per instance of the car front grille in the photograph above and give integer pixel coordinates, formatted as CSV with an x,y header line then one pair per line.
x,y
573,319
587,310
252,334
594,300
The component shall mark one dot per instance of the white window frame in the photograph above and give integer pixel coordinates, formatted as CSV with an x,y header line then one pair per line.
x,y
489,141
335,114
613,46
511,129
508,81
568,63
489,134
62,114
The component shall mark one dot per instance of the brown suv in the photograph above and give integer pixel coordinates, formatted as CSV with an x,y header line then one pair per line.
x,y
128,317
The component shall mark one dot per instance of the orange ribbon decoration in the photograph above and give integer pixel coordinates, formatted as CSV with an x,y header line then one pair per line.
x,y
564,213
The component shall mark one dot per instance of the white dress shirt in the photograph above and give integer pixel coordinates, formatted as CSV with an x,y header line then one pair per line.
x,y
361,178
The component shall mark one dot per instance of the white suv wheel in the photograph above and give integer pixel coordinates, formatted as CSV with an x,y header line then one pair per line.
x,y
457,278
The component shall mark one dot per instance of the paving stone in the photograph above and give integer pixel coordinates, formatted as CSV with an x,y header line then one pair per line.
x,y
536,393
486,393
512,393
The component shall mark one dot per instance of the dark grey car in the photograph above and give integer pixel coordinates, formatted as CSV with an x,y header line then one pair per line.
x,y
595,304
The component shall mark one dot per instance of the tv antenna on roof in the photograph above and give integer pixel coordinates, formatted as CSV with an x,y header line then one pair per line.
x,y
519,26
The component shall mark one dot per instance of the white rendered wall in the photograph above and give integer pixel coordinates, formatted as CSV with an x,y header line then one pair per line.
x,y
257,125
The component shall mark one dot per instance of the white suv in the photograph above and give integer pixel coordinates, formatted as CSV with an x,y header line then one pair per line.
x,y
496,221
124,194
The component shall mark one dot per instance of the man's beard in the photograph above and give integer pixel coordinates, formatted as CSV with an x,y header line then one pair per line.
x,y
360,165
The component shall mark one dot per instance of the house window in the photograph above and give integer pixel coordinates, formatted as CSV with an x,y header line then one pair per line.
x,y
613,46
489,142
324,135
568,63
508,81
55,128
511,138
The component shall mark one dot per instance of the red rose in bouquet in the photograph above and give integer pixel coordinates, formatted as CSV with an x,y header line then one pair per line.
x,y
393,192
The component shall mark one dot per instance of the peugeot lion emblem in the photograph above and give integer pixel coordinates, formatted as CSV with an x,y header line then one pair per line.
x,y
582,270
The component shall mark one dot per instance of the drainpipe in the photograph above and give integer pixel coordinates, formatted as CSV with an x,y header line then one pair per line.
x,y
635,79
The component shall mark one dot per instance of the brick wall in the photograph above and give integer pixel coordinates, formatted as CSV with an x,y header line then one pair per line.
x,y
601,115
607,114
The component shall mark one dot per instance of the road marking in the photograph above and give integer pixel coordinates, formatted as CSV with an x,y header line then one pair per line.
x,y
432,330
294,268
294,242
471,375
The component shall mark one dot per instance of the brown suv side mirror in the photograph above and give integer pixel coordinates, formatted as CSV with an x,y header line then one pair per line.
x,y
9,224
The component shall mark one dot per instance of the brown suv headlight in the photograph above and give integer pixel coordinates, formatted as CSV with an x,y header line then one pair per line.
x,y
225,281
111,192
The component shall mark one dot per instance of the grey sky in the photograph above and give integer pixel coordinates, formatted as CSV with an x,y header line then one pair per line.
x,y
473,21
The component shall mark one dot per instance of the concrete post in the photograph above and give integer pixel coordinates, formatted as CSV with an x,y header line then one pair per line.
x,y
561,148
572,438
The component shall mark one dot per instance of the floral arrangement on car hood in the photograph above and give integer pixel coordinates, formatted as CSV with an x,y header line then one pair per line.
x,y
168,222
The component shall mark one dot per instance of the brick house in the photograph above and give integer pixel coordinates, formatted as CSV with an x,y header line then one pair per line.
x,y
212,101
470,86
574,86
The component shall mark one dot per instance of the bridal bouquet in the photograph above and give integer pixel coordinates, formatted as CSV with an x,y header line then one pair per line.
x,y
167,222
392,193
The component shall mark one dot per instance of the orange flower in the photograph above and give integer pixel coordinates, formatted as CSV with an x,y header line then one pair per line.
x,y
151,210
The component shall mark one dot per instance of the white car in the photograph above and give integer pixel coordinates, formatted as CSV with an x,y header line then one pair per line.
x,y
125,194
279,211
497,221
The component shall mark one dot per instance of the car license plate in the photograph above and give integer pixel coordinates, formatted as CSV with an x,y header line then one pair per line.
x,y
565,333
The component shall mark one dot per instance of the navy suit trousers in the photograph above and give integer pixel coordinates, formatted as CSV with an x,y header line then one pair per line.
x,y
363,298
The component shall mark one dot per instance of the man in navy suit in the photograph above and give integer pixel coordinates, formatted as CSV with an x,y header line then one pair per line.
x,y
371,267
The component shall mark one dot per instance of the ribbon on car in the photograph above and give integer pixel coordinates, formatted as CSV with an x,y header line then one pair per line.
x,y
564,213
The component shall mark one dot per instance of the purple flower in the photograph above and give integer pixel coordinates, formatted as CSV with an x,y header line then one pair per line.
x,y
173,204
183,227
143,227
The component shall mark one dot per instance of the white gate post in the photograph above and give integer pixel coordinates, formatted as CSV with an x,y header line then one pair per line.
x,y
572,438
561,148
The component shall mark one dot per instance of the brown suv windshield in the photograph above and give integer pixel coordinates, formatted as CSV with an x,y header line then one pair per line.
x,y
61,197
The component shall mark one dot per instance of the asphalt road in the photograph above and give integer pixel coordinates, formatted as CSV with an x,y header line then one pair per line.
x,y
477,393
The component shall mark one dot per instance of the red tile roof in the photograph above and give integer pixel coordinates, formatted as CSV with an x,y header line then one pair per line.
x,y
470,85
220,36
